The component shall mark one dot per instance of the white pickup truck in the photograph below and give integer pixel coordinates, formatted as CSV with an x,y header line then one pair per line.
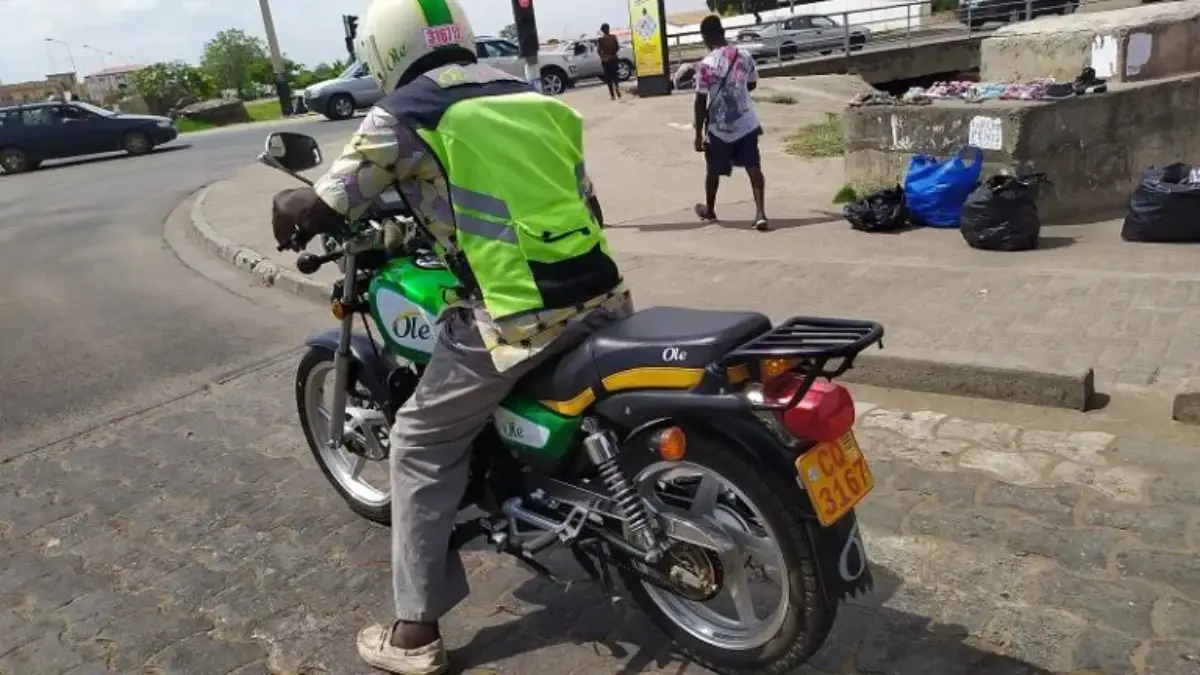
x,y
586,59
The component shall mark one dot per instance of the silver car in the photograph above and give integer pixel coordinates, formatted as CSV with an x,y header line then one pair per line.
x,y
355,89
800,34
585,55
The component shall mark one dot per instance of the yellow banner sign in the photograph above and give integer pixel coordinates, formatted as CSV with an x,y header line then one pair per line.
x,y
646,25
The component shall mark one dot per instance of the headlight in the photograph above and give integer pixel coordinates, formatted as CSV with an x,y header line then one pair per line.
x,y
166,124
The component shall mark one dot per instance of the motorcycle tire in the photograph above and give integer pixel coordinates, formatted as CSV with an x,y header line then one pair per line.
x,y
809,615
318,357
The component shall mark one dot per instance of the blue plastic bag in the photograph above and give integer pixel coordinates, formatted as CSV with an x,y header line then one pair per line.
x,y
936,190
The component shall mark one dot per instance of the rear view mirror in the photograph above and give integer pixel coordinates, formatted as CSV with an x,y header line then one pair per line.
x,y
293,152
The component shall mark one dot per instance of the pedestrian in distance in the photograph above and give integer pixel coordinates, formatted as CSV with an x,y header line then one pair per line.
x,y
609,48
727,126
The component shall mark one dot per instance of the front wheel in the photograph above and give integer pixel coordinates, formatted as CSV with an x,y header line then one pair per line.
x,y
743,629
341,107
624,70
137,143
362,482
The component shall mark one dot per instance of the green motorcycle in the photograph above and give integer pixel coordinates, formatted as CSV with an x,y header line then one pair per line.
x,y
697,453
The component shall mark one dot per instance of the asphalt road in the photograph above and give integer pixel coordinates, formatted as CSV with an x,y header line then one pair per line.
x,y
97,313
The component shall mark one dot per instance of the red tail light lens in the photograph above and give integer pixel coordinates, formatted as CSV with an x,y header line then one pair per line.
x,y
825,413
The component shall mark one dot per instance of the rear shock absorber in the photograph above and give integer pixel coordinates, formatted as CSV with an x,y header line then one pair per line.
x,y
603,451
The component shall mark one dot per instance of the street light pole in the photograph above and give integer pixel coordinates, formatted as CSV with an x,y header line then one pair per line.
x,y
70,54
100,53
281,85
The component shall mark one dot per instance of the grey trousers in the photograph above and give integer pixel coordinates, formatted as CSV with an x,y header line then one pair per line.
x,y
430,457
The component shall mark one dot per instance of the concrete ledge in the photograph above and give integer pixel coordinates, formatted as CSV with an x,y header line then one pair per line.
x,y
251,261
1016,385
1073,390
878,66
1186,407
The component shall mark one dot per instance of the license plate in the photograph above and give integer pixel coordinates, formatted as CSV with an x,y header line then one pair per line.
x,y
836,476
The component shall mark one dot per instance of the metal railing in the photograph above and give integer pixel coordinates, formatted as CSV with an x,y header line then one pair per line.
x,y
792,35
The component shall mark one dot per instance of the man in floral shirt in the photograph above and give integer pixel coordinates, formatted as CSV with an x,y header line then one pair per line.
x,y
727,127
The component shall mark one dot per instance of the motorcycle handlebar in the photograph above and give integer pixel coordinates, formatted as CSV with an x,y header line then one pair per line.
x,y
309,263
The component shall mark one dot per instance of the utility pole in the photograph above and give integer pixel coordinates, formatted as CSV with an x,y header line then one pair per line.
x,y
281,85
527,39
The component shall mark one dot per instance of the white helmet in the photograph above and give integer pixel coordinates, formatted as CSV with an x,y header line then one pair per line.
x,y
394,34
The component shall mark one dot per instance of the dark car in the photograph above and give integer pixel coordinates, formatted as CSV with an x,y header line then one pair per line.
x,y
31,133
975,13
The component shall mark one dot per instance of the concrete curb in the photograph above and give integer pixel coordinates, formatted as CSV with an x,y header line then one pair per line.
x,y
251,261
1072,390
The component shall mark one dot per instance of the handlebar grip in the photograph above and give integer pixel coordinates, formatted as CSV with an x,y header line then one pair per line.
x,y
309,263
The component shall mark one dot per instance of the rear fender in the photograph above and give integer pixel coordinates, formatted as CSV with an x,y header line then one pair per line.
x,y
372,364
841,557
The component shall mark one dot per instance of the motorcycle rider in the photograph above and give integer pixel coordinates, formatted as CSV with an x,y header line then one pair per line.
x,y
494,171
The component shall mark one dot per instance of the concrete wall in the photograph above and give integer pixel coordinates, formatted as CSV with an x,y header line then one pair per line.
x,y
878,15
886,65
1092,147
1147,42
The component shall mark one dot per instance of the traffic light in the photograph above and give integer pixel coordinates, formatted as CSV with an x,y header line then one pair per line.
x,y
350,24
526,23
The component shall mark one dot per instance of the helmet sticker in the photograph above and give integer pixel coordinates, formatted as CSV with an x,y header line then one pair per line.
x,y
440,36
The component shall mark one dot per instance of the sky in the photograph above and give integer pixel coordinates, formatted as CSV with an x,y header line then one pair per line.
x,y
119,32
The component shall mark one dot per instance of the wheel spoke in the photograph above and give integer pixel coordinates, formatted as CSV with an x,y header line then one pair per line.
x,y
360,463
739,592
705,501
763,549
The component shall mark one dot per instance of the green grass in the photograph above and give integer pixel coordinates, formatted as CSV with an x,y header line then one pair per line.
x,y
265,110
259,111
823,139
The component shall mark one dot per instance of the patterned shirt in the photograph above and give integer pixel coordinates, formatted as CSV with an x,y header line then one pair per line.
x,y
724,76
384,152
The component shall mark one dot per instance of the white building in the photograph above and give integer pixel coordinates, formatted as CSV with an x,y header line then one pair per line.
x,y
105,83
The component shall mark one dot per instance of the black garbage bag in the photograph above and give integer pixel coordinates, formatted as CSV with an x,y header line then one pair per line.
x,y
883,211
1165,207
1001,213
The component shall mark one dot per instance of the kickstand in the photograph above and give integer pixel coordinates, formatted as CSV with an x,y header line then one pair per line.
x,y
542,570
599,571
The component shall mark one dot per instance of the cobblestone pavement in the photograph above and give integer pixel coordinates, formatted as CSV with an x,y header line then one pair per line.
x,y
199,538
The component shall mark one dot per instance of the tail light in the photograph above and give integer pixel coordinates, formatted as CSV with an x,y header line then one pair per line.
x,y
824,413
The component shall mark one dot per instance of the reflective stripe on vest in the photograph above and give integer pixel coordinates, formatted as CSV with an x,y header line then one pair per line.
x,y
515,167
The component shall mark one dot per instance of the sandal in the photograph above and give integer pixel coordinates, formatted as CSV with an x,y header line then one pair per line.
x,y
762,225
703,213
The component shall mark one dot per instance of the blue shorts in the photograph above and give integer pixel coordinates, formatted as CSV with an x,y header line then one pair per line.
x,y
721,156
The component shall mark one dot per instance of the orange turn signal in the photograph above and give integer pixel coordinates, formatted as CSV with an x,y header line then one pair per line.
x,y
769,369
672,444
339,310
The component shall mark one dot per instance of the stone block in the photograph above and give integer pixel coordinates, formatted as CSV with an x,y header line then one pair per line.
x,y
1093,147
1147,42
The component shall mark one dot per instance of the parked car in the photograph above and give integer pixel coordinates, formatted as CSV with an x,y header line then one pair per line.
x,y
975,13
355,89
31,133
585,55
799,34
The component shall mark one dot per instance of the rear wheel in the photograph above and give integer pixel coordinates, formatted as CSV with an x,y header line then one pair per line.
x,y
624,70
15,160
363,483
744,629
341,107
137,143
554,81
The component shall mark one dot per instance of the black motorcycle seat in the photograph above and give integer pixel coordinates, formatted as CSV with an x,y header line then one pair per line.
x,y
657,348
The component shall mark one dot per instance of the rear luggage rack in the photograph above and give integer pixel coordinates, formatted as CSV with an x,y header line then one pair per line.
x,y
805,337
814,341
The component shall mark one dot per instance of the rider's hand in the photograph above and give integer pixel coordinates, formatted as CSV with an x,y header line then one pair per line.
x,y
298,215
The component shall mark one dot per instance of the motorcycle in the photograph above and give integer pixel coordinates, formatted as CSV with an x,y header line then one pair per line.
x,y
693,452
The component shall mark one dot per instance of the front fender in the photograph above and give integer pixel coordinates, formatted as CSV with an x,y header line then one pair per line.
x,y
373,364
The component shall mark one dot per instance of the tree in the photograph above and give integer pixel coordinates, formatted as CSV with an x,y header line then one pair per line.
x,y
509,32
172,85
237,61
